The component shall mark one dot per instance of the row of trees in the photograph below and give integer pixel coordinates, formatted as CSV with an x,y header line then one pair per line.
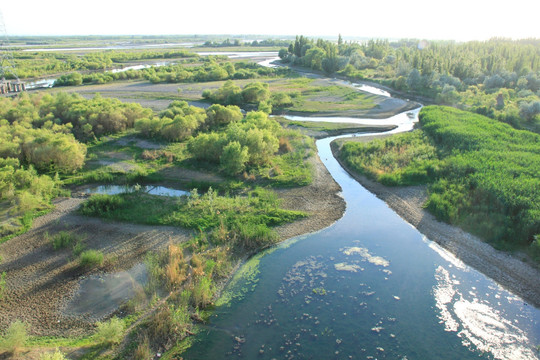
x,y
36,64
238,43
46,130
86,119
212,70
459,74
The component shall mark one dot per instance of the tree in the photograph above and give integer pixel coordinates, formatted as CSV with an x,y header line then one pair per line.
x,y
265,107
234,158
414,81
218,115
256,92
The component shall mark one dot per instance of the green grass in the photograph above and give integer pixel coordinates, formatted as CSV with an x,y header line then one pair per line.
x,y
249,217
483,174
91,258
63,240
309,97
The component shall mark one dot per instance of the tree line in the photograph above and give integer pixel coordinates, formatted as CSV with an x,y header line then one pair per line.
x,y
35,64
499,78
212,69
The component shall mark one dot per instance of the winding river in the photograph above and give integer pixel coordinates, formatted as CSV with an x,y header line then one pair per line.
x,y
368,287
266,58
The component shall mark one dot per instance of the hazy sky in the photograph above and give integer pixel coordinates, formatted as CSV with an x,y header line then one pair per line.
x,y
455,19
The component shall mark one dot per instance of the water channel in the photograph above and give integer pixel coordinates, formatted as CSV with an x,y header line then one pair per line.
x,y
268,56
368,287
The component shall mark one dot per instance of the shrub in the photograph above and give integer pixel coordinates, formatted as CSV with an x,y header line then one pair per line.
x,y
169,322
91,258
203,292
110,332
252,236
143,351
57,355
63,239
15,337
99,205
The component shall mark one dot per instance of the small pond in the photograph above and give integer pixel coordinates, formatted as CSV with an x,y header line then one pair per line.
x,y
120,189
100,295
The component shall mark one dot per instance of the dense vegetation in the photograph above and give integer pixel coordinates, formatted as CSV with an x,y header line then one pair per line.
x,y
299,95
483,175
499,78
47,133
246,218
30,64
213,69
254,146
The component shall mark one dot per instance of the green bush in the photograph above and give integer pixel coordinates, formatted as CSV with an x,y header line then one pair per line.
x,y
56,355
110,332
15,337
101,204
203,292
63,239
91,258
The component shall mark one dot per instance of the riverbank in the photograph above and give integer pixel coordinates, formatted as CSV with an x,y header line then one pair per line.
x,y
509,270
42,281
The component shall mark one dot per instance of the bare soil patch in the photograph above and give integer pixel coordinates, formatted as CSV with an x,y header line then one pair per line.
x,y
320,199
40,280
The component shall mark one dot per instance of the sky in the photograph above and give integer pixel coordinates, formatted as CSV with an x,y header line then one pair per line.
x,y
459,20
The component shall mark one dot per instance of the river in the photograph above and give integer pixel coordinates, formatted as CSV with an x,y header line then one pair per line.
x,y
265,58
368,287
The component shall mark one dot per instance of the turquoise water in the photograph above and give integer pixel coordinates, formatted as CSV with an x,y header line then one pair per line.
x,y
368,287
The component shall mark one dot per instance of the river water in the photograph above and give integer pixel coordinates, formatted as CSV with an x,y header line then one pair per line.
x,y
269,56
368,287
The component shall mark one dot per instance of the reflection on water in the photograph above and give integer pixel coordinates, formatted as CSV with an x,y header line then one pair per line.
x,y
120,189
368,287
372,90
404,121
100,295
480,323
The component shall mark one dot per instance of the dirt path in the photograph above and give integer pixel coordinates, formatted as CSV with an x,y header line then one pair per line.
x,y
510,271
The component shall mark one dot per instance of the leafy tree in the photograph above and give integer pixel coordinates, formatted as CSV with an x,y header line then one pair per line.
x,y
218,115
234,158
256,92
